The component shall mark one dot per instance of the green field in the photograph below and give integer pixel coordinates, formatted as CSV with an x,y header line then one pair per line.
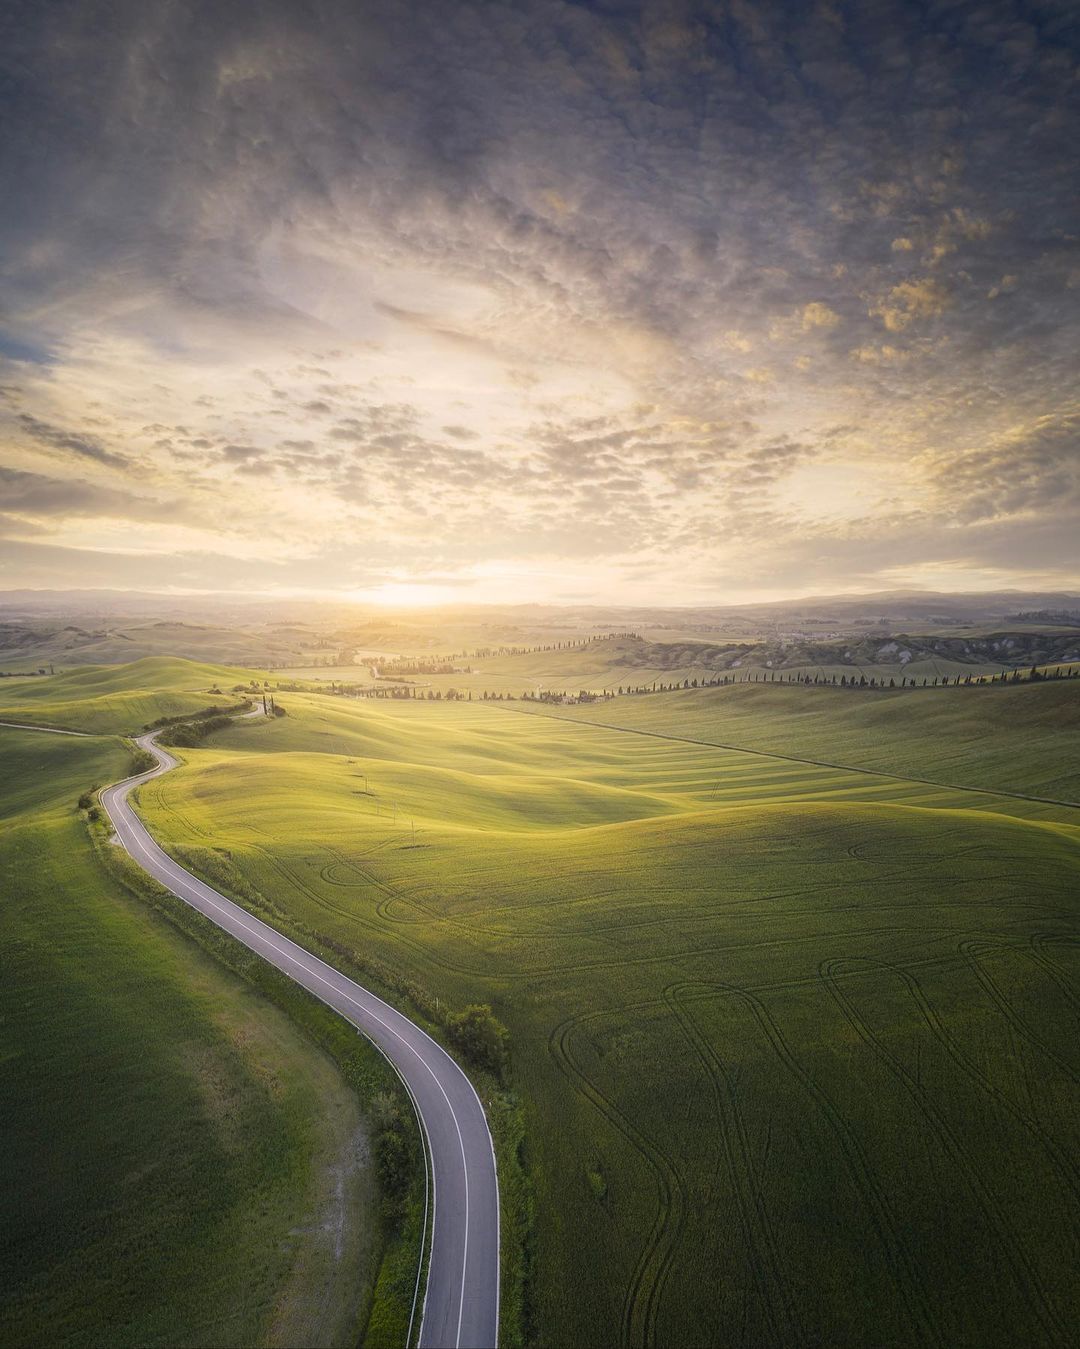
x,y
797,1044
118,699
1019,738
179,1163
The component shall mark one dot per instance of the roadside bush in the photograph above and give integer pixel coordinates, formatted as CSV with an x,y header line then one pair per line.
x,y
395,1155
193,732
202,714
141,761
481,1037
86,801
93,814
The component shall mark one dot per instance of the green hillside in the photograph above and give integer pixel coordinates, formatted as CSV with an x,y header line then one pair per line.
x,y
179,1164
796,1044
1020,738
120,699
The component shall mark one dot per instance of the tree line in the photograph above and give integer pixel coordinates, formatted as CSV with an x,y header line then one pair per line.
x,y
860,680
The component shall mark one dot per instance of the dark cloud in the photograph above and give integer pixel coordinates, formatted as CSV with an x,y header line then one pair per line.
x,y
37,496
80,445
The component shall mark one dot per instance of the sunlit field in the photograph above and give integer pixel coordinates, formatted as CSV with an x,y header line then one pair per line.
x,y
180,1164
119,699
796,1044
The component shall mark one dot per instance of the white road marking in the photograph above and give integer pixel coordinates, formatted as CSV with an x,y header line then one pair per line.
x,y
134,835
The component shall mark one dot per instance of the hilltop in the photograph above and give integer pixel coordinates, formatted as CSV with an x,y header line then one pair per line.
x,y
120,698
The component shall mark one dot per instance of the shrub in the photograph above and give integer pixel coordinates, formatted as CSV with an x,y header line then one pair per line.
x,y
93,814
395,1158
86,801
203,714
481,1037
191,733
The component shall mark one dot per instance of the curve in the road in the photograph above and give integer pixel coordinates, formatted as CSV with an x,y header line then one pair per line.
x,y
461,1300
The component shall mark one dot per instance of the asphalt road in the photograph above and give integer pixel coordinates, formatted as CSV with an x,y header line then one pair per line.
x,y
49,730
460,1307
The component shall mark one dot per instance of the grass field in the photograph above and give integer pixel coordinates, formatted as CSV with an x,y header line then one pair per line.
x,y
1021,738
179,1163
797,1044
120,699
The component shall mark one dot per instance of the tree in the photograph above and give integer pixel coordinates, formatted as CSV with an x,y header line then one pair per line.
x,y
481,1037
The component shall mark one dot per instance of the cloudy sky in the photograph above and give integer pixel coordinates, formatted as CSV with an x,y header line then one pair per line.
x,y
418,299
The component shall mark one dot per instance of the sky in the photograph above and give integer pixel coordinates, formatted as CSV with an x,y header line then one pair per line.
x,y
417,300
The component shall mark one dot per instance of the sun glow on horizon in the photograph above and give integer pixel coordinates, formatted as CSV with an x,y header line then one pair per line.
x,y
406,594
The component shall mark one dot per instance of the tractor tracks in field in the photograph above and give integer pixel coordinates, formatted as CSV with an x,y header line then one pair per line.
x,y
1066,1168
1039,943
1043,1309
759,1235
642,1300
909,1287
970,950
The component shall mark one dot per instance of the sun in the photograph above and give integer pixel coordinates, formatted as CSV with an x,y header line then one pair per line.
x,y
405,594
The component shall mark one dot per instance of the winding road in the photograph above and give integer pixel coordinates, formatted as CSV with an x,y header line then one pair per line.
x,y
460,1308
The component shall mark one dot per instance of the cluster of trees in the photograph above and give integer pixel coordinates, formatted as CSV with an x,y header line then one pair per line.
x,y
86,802
202,715
453,664
190,733
1045,616
419,665
482,651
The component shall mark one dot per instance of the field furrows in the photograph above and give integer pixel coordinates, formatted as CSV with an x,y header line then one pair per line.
x,y
762,1244
641,1303
971,951
1042,1307
908,1285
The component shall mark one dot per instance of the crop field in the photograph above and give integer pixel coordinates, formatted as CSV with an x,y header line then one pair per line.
x,y
797,1044
178,1162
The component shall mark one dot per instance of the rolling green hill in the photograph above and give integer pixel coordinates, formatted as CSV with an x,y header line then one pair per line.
x,y
1020,738
179,1163
122,699
796,1044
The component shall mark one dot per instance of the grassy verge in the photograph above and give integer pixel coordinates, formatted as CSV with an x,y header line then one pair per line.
x,y
384,1314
